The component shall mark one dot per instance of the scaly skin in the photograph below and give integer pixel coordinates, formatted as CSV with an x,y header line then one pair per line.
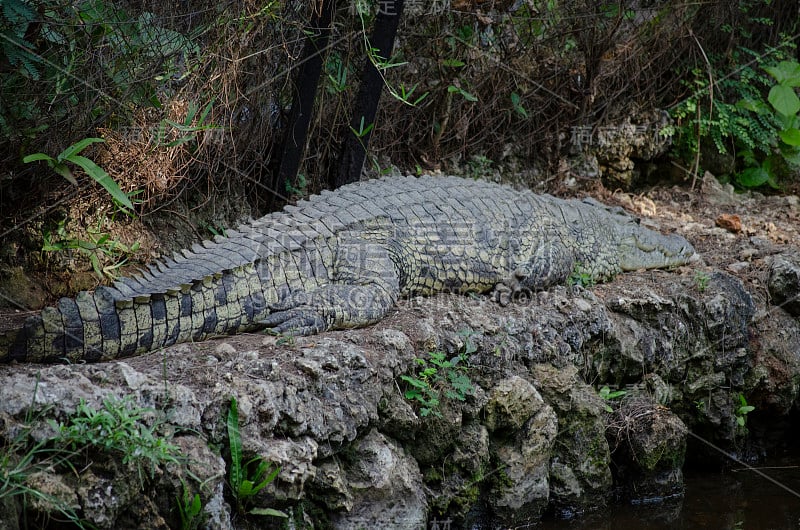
x,y
341,260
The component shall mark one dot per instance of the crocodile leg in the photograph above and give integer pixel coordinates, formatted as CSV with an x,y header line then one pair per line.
x,y
550,263
365,285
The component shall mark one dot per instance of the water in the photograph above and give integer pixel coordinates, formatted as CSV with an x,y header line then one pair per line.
x,y
733,500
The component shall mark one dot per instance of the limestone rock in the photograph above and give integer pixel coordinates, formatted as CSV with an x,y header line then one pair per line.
x,y
613,148
649,449
384,485
784,282
511,403
330,410
580,473
521,491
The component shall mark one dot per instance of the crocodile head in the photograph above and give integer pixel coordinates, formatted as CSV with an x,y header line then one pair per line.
x,y
640,248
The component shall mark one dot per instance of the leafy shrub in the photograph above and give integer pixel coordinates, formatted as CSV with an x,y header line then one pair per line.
x,y
751,112
63,49
72,154
438,375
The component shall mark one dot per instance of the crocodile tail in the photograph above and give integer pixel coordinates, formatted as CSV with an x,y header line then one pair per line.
x,y
107,324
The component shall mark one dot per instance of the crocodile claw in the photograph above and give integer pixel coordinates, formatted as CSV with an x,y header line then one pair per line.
x,y
511,289
295,322
295,316
502,294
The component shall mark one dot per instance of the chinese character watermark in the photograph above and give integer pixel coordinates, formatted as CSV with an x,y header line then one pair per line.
x,y
444,524
586,135
392,8
582,135
387,7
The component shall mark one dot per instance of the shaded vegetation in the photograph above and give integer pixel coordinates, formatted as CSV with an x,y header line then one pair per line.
x,y
192,98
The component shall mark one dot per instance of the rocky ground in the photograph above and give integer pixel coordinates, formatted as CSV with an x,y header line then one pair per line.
x,y
576,398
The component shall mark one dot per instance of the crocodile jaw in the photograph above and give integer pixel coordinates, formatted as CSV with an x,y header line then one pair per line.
x,y
650,250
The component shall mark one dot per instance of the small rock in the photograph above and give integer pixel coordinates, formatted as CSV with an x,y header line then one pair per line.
x,y
580,473
760,242
394,339
8,513
784,282
716,193
135,380
730,222
218,512
52,490
748,254
397,416
16,286
225,349
248,357
660,390
521,490
738,267
309,366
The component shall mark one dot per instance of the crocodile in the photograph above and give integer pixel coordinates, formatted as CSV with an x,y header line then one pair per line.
x,y
341,259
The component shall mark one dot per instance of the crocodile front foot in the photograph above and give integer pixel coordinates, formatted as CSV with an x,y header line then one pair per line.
x,y
511,289
294,316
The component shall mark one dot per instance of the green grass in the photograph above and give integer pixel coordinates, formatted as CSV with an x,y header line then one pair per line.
x,y
117,428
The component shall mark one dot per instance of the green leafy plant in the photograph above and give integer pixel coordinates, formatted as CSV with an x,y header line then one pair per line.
x,y
782,95
364,9
437,376
249,477
783,98
610,395
783,112
190,509
72,155
734,115
117,427
469,345
336,72
363,129
614,10
461,92
453,63
401,93
701,280
381,63
55,51
171,133
16,17
135,43
106,255
216,230
299,187
516,103
285,340
478,166
742,411
580,277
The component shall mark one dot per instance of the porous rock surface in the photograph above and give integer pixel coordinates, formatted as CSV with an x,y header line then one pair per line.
x,y
533,434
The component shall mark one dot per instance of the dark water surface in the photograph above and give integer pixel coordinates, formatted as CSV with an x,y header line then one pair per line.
x,y
733,500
